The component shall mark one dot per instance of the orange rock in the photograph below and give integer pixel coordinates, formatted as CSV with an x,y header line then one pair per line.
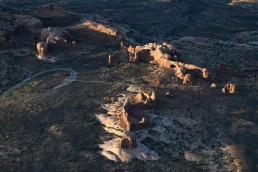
x,y
229,88
97,32
187,79
213,86
42,50
205,73
132,117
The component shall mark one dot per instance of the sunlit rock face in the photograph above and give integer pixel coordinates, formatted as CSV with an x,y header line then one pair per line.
x,y
234,2
125,117
24,27
42,50
91,31
165,56
229,89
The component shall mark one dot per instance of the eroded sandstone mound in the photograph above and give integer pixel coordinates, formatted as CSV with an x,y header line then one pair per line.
x,y
42,50
91,31
229,89
132,117
124,118
164,55
53,15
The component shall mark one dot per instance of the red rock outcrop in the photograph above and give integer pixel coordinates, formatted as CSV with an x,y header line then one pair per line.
x,y
164,55
53,15
96,32
110,59
229,89
56,38
42,50
187,79
213,86
132,117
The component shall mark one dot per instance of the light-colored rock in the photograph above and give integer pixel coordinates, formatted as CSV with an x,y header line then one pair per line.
x,y
213,86
110,59
229,89
42,50
187,79
74,46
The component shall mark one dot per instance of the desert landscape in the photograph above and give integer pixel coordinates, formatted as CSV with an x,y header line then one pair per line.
x,y
115,85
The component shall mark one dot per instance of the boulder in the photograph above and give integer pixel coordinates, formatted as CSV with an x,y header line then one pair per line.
x,y
229,89
213,86
187,79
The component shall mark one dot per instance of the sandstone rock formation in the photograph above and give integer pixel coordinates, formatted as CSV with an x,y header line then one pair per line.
x,y
110,60
125,146
229,88
164,55
187,79
96,32
132,117
55,37
42,50
213,86
53,15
